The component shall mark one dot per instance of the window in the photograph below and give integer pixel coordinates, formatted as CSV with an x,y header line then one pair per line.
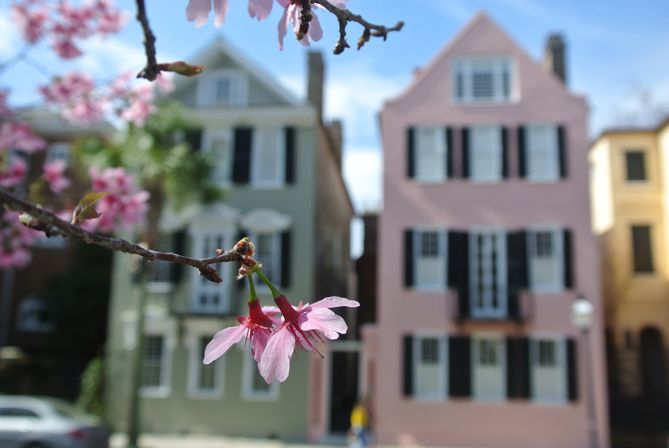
x,y
205,381
59,152
154,365
219,144
642,250
545,255
488,274
542,153
635,164
209,297
547,357
222,88
482,80
254,387
33,316
489,367
430,259
430,154
18,412
268,251
268,159
429,367
160,271
485,153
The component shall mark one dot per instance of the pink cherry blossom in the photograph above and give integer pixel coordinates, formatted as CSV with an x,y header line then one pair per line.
x,y
303,326
54,175
260,9
13,174
198,11
256,327
20,136
5,111
15,241
291,16
31,22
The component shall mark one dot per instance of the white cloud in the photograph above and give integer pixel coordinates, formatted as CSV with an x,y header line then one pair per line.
x,y
363,174
10,43
107,57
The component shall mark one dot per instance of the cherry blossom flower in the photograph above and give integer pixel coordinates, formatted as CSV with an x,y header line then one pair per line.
x,y
256,327
291,16
198,11
15,241
13,174
260,9
20,136
54,175
303,326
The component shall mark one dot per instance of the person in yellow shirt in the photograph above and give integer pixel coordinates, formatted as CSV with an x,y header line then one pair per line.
x,y
359,425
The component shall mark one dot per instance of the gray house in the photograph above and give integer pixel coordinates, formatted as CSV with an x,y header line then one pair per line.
x,y
280,165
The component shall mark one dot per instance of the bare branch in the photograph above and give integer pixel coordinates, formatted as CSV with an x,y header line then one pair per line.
x,y
47,222
344,16
151,71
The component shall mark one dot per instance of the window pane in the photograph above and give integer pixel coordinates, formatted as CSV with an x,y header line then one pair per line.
x,y
159,271
220,147
486,153
429,244
429,349
541,148
430,376
642,249
152,360
206,378
258,383
267,159
430,159
635,162
266,248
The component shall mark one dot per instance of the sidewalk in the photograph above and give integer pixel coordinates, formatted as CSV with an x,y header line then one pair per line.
x,y
198,441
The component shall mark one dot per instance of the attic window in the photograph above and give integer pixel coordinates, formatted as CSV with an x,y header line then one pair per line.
x,y
482,80
222,88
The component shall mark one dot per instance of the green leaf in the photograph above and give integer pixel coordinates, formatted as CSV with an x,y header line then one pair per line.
x,y
86,207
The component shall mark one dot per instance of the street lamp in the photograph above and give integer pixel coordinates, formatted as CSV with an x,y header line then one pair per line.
x,y
583,316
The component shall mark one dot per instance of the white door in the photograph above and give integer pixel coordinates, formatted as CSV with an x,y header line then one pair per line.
x,y
548,371
489,367
487,274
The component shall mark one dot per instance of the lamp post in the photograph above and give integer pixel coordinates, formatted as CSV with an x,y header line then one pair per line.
x,y
582,316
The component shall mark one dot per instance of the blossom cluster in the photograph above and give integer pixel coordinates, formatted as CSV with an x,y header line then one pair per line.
x,y
198,11
66,24
15,241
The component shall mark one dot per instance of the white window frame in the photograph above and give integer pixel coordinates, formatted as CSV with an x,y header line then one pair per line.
x,y
201,285
257,156
266,220
476,173
551,148
558,255
195,365
276,261
163,390
248,393
561,367
442,281
206,88
487,311
441,173
222,169
442,340
477,394
466,66
59,151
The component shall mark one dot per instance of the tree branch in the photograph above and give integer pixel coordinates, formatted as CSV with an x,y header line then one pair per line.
x,y
47,222
151,71
344,16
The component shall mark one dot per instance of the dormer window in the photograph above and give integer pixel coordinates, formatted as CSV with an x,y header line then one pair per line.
x,y
483,80
220,88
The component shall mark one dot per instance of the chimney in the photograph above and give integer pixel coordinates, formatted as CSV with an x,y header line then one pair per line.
x,y
554,56
315,80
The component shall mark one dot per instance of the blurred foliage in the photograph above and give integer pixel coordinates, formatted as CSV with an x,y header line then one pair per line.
x,y
161,156
92,392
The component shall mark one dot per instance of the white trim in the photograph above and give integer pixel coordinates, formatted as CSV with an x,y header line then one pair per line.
x,y
276,261
258,152
442,367
442,235
552,151
248,394
265,220
440,149
195,356
211,135
558,257
201,286
465,66
501,368
487,311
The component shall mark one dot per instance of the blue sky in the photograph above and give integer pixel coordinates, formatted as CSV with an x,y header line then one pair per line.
x,y
617,56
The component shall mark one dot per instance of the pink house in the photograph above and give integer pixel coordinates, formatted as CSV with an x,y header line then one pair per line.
x,y
485,242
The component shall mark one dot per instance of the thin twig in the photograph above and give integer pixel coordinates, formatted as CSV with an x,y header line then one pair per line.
x,y
151,70
50,224
344,16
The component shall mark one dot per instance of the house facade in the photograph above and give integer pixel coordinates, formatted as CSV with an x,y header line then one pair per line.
x,y
630,192
484,243
280,167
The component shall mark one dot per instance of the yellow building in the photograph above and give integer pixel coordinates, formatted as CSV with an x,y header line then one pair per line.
x,y
630,213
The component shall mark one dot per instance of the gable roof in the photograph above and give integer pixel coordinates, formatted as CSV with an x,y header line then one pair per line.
x,y
219,47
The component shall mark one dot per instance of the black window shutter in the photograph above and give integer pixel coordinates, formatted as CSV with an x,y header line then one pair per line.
x,y
179,247
407,383
449,153
285,258
241,234
408,258
241,161
572,370
465,153
193,136
505,153
567,253
518,367
522,155
459,366
516,254
458,269
411,153
290,154
562,150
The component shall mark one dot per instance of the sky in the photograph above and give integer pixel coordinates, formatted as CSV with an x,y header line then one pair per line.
x,y
617,55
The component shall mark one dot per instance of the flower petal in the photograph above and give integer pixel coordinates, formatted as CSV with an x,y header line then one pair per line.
x,y
261,9
275,360
283,27
221,10
333,301
198,10
259,341
222,341
323,320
